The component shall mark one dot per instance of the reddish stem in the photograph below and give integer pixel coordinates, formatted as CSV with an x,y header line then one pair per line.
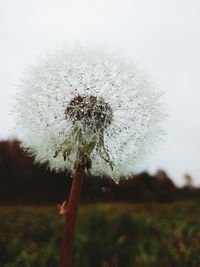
x,y
70,217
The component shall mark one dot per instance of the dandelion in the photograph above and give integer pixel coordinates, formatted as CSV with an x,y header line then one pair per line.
x,y
88,111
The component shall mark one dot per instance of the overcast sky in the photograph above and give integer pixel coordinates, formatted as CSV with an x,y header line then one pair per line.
x,y
161,36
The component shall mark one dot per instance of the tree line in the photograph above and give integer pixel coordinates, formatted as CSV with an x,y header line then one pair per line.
x,y
24,182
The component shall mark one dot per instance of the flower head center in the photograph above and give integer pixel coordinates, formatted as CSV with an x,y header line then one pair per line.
x,y
92,111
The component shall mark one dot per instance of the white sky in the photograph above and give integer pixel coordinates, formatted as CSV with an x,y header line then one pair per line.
x,y
162,36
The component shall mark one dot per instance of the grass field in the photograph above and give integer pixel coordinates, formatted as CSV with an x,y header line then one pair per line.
x,y
108,235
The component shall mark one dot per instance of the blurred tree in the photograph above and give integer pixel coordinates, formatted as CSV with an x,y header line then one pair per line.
x,y
22,181
188,180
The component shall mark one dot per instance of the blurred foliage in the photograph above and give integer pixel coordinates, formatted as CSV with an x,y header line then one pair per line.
x,y
19,174
107,235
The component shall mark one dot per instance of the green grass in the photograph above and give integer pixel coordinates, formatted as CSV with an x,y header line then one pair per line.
x,y
107,235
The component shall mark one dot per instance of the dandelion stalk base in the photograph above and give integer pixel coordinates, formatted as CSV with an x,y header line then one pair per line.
x,y
70,217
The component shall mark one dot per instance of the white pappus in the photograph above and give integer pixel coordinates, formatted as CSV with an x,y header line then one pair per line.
x,y
88,107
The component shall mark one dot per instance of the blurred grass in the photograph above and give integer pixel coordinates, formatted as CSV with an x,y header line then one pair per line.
x,y
107,235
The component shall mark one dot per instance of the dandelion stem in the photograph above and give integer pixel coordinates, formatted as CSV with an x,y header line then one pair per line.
x,y
70,217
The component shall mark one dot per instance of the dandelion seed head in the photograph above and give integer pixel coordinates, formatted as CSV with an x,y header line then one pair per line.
x,y
89,106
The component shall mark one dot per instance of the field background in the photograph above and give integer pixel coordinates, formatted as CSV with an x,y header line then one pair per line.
x,y
145,221
107,235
